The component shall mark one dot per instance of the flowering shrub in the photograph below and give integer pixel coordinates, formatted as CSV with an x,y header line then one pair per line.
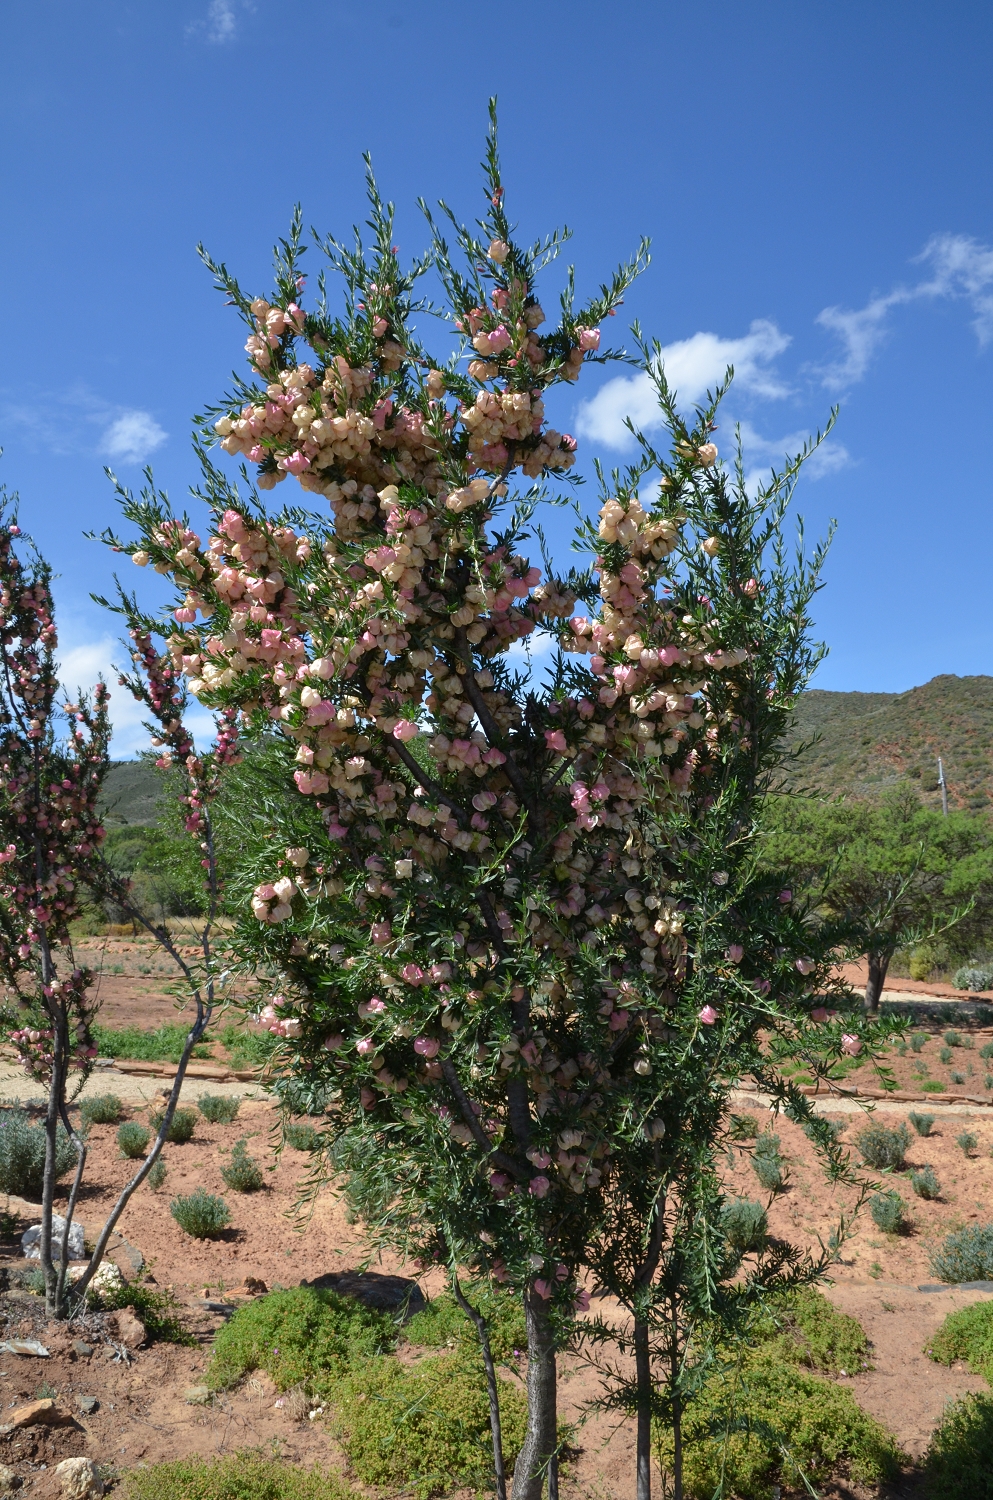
x,y
514,933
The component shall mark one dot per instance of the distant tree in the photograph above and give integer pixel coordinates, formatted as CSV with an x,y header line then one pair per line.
x,y
899,872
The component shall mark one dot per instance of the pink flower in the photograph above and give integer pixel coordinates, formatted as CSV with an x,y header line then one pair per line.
x,y
405,729
708,1015
589,338
786,897
426,1046
540,1159
618,1020
365,1046
413,974
804,965
581,1302
818,1013
555,740
334,1042
736,953
499,1182
368,1098
850,1045
543,1288
538,1186
763,986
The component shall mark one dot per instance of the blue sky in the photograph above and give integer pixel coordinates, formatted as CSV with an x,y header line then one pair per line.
x,y
814,179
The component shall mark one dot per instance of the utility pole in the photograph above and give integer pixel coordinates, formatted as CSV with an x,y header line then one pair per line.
x,y
944,787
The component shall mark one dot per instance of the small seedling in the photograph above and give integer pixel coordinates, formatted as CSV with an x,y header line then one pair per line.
x,y
242,1173
157,1175
957,1077
921,1123
925,1183
875,1270
986,1051
945,1055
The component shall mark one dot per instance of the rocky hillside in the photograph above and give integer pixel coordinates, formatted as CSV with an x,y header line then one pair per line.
x,y
868,741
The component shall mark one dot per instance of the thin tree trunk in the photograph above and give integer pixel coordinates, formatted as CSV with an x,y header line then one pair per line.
x,y
878,965
677,1409
541,1439
643,1372
499,1473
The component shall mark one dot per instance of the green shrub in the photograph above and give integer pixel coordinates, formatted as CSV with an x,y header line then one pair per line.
x,y
181,1126
966,1255
248,1049
303,1336
769,1171
743,1127
823,1338
959,1461
966,1334
986,1051
218,1109
945,1055
237,1476
925,1183
776,1422
300,1137
133,1139
156,1309
967,1141
932,1086
952,1039
101,1109
921,1123
881,1148
425,1428
200,1214
243,1172
443,1324
974,977
887,1212
22,1154
919,1040
958,1078
163,1045
922,962
988,1081
745,1224
157,1175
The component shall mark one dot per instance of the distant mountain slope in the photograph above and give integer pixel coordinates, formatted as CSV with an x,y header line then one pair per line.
x,y
131,790
868,741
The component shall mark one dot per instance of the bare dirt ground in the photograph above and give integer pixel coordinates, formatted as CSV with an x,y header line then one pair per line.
x,y
142,1413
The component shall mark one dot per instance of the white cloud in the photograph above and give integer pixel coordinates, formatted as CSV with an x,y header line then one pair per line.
x,y
133,437
962,268
220,24
692,367
762,454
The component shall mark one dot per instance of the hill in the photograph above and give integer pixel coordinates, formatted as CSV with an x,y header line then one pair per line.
x,y
869,741
131,791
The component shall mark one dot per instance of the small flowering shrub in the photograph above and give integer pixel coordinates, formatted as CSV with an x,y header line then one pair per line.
x,y
424,1429
101,1109
219,1109
133,1139
887,1210
201,1215
243,1173
959,1460
966,1255
181,1127
22,1155
301,1337
881,1148
745,1224
925,1183
922,1123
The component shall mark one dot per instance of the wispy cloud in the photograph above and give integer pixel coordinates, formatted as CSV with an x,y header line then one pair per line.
x,y
961,268
692,366
82,659
220,22
761,454
133,437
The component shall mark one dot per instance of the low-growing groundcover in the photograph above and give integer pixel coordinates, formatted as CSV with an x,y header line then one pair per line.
x,y
165,1044
425,1427
767,1418
443,1324
254,1475
303,1336
959,1461
966,1334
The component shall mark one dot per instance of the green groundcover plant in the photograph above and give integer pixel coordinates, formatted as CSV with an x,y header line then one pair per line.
x,y
966,1334
966,1255
253,1475
959,1461
303,1336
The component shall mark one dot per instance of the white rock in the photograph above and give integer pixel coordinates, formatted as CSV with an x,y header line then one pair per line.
x,y
31,1239
80,1478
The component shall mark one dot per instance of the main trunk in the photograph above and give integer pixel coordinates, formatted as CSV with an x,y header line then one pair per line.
x,y
537,1454
878,965
643,1369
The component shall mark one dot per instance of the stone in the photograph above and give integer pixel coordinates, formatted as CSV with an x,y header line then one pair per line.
x,y
24,1346
10,1480
384,1293
43,1413
124,1328
87,1405
197,1395
31,1239
81,1350
80,1478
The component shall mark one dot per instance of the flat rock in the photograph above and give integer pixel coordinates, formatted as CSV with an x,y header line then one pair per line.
x,y
87,1405
197,1395
24,1346
43,1413
384,1293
